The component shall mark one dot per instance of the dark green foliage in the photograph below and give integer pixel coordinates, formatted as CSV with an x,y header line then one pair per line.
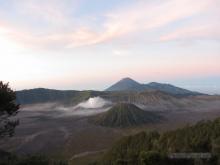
x,y
198,138
125,115
152,158
203,137
7,158
8,108
216,145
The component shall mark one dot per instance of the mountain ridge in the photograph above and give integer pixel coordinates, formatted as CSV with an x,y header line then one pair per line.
x,y
128,84
124,90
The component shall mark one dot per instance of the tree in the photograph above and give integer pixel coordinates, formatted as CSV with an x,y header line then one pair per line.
x,y
8,109
152,158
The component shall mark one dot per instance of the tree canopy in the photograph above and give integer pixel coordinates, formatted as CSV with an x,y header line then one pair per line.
x,y
147,148
8,109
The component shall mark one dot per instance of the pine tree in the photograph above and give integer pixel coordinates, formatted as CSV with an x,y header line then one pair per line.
x,y
8,109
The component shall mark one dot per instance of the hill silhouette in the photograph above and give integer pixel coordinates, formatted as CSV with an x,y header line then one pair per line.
x,y
128,84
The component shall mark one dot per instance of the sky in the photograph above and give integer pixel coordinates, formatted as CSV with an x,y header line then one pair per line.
x,y
91,44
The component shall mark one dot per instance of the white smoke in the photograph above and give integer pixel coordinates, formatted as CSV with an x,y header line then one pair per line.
x,y
93,103
89,107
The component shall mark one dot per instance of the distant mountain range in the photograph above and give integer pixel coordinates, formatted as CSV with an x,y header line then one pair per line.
x,y
124,90
127,84
43,95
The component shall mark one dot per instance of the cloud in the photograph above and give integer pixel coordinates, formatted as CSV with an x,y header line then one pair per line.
x,y
138,18
145,15
142,18
210,32
50,11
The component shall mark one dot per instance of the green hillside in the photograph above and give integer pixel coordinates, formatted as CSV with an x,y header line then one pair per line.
x,y
202,138
125,115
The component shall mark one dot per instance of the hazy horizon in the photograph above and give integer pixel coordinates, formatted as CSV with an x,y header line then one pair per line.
x,y
83,44
189,87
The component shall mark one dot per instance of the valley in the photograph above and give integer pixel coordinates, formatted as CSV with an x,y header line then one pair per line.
x,y
80,126
54,133
109,82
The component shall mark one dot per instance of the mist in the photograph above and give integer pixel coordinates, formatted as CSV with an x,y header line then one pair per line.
x,y
89,107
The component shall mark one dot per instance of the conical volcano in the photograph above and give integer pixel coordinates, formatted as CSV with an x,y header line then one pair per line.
x,y
125,115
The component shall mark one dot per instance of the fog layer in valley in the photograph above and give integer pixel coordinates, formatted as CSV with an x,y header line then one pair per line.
x,y
55,127
91,106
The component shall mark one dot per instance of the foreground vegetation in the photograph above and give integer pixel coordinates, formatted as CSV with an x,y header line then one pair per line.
x,y
8,109
153,148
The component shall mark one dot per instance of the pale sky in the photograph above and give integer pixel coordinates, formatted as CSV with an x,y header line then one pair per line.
x,y
90,44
